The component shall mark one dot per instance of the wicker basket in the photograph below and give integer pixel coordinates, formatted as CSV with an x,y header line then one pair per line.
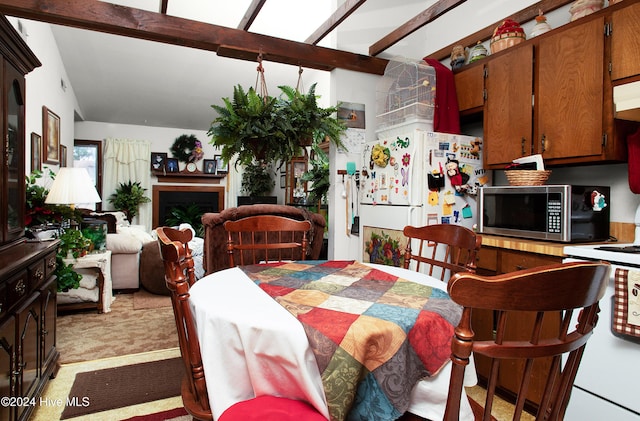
x,y
527,177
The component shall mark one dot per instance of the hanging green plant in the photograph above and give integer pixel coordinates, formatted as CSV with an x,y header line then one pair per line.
x,y
187,148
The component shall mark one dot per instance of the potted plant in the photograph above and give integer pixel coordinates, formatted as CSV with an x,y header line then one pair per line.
x,y
318,174
257,184
73,244
40,214
308,120
271,130
128,197
66,277
250,127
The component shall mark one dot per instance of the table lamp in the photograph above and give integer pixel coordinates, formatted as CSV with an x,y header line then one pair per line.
x,y
72,186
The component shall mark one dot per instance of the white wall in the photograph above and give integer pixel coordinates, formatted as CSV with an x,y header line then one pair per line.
x,y
43,86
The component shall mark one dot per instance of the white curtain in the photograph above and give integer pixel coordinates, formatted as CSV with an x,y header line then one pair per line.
x,y
128,160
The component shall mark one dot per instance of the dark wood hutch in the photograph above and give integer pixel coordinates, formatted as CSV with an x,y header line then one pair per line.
x,y
28,354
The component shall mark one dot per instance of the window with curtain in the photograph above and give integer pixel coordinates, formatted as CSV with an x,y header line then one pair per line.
x,y
128,160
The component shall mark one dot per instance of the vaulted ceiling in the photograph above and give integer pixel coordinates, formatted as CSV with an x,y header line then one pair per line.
x,y
164,62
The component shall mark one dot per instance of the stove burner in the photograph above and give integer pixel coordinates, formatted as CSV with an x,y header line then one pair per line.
x,y
620,249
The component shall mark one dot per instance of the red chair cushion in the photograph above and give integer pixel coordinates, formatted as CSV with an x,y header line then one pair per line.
x,y
271,408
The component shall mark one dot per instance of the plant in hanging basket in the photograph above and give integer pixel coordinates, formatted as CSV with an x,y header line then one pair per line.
x,y
250,126
309,121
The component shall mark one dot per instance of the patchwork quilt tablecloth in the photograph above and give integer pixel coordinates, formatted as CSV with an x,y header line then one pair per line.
x,y
374,335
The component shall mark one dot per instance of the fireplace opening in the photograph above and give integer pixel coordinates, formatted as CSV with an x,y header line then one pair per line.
x,y
166,198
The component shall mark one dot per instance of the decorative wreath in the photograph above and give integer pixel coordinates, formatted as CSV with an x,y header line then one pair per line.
x,y
187,148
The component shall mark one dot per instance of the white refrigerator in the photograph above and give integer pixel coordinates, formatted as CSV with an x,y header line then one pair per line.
x,y
416,178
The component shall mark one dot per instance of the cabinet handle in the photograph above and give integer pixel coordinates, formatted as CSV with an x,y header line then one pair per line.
x,y
543,142
51,263
39,275
20,287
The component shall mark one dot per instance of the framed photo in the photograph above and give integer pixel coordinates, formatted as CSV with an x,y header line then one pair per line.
x,y
172,165
50,136
36,152
221,168
63,156
158,161
209,166
283,181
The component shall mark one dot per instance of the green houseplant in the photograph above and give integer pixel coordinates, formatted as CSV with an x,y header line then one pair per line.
x,y
308,120
72,244
318,174
270,130
251,126
128,197
39,213
257,180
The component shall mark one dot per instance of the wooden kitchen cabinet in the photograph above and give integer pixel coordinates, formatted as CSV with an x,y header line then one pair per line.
x,y
491,261
625,42
552,94
508,124
471,82
569,78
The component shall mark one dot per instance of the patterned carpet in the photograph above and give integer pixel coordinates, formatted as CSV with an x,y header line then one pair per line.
x,y
85,336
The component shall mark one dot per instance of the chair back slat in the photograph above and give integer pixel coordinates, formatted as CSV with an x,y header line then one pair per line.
x,y
259,238
444,249
179,277
551,295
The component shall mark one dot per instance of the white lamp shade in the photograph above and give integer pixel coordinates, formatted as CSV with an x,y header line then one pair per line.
x,y
71,186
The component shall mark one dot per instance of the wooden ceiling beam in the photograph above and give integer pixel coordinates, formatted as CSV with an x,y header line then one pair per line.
x,y
163,6
106,17
343,12
251,14
432,13
486,33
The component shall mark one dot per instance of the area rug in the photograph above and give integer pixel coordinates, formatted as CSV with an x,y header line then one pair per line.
x,y
178,414
110,388
143,299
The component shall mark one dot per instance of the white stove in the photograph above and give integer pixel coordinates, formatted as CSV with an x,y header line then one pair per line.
x,y
621,254
606,383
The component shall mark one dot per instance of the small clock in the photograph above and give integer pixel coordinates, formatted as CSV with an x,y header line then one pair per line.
x,y
191,167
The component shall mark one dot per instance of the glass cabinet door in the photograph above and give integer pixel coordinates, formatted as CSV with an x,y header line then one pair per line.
x,y
14,153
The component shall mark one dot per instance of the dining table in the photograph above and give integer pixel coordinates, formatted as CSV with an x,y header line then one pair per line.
x,y
357,341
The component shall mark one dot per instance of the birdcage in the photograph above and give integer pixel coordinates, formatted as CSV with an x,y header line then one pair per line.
x,y
406,95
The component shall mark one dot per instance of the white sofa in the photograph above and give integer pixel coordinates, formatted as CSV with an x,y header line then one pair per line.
x,y
125,245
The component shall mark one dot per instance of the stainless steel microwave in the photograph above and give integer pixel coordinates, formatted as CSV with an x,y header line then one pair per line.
x,y
564,213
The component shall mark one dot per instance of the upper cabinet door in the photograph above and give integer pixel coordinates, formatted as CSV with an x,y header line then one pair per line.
x,y
625,42
569,94
470,87
13,129
508,108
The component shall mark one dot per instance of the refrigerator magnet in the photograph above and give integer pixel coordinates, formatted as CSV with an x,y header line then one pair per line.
x,y
466,211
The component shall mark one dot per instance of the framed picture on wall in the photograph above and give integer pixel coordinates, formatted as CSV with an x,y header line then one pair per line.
x,y
172,165
158,161
50,136
209,166
221,167
36,152
63,156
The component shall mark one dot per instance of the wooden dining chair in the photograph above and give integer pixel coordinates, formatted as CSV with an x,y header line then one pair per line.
x,y
556,335
179,277
266,238
445,248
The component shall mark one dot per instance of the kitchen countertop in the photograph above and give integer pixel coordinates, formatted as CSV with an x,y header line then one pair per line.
x,y
531,246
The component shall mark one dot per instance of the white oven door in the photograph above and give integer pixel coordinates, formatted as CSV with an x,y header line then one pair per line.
x,y
606,386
